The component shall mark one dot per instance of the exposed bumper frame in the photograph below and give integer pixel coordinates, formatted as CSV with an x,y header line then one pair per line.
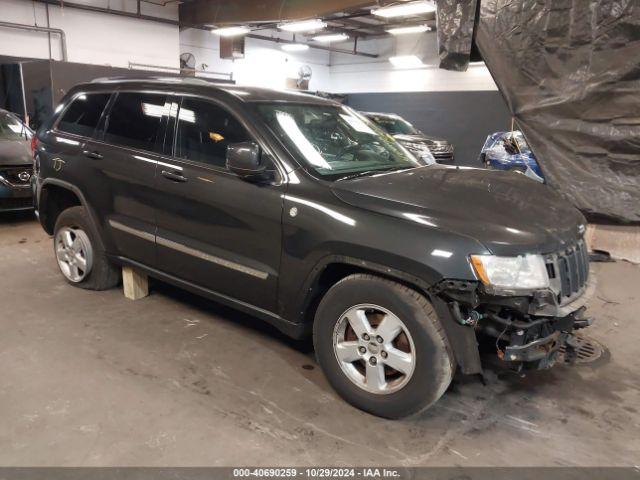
x,y
536,350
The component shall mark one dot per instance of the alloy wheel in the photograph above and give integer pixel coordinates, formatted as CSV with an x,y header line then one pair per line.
x,y
74,253
374,349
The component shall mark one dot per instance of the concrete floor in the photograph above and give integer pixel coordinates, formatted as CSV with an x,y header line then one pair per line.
x,y
90,378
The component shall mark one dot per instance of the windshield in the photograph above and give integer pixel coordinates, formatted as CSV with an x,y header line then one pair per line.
x,y
394,125
335,141
12,129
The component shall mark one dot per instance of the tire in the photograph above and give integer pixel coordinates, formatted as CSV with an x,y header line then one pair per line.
x,y
390,394
78,249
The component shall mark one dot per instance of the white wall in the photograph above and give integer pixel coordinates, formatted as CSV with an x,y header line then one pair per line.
x,y
356,74
265,63
92,37
103,39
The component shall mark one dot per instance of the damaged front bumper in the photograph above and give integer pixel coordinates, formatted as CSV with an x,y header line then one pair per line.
x,y
528,328
526,347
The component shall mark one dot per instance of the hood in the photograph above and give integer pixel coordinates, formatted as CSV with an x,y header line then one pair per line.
x,y
505,211
15,152
418,138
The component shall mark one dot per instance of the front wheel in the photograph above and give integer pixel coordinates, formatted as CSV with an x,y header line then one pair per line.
x,y
382,346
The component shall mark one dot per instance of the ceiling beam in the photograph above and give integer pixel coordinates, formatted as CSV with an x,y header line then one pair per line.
x,y
222,12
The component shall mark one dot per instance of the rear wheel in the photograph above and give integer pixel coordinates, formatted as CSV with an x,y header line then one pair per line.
x,y
79,253
382,346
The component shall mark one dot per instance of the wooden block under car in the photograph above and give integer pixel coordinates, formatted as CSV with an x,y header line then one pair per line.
x,y
135,283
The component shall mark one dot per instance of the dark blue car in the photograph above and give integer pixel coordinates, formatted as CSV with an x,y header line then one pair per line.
x,y
510,151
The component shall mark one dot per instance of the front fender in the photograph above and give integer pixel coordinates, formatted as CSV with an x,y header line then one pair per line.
x,y
309,290
321,229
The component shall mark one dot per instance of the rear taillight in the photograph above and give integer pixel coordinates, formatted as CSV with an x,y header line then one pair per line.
x,y
34,145
36,159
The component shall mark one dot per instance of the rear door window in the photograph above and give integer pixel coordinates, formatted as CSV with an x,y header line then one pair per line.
x,y
82,116
135,120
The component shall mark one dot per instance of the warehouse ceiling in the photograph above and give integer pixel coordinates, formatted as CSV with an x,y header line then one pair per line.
x,y
352,17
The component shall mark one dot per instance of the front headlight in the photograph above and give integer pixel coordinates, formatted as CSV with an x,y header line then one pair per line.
x,y
524,271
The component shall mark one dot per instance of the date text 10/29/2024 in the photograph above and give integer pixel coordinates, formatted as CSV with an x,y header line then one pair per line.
x,y
315,473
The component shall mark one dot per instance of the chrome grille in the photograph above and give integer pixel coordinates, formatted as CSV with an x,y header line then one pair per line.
x,y
16,176
569,271
441,149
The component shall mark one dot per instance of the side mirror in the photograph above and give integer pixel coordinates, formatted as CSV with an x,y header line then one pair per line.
x,y
244,160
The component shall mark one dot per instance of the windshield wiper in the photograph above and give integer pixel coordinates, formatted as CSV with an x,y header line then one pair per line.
x,y
370,172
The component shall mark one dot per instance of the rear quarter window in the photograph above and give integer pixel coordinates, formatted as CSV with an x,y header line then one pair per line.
x,y
82,116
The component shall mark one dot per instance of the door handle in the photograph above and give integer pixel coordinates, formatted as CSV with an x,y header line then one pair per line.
x,y
92,154
173,176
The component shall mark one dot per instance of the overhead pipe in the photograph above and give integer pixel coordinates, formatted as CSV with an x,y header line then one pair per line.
x,y
181,24
33,28
310,45
168,21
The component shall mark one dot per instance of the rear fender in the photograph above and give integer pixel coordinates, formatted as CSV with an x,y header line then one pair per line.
x,y
43,198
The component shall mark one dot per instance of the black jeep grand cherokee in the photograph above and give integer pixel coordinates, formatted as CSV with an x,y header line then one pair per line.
x,y
304,213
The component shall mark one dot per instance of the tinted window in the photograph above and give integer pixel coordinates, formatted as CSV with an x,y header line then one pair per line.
x,y
336,141
134,120
83,114
204,132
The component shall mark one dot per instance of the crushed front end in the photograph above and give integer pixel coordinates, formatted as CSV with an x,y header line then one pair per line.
x,y
527,326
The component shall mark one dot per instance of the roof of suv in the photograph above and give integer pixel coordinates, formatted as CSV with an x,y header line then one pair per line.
x,y
246,94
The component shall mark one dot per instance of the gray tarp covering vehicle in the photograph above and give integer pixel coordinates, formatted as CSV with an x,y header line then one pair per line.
x,y
569,73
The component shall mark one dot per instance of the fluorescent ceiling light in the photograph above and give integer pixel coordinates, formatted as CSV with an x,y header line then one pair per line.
x,y
405,9
231,31
303,26
406,61
294,47
331,37
413,29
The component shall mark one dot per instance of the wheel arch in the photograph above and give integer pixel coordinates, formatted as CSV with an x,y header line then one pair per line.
x,y
334,268
54,197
